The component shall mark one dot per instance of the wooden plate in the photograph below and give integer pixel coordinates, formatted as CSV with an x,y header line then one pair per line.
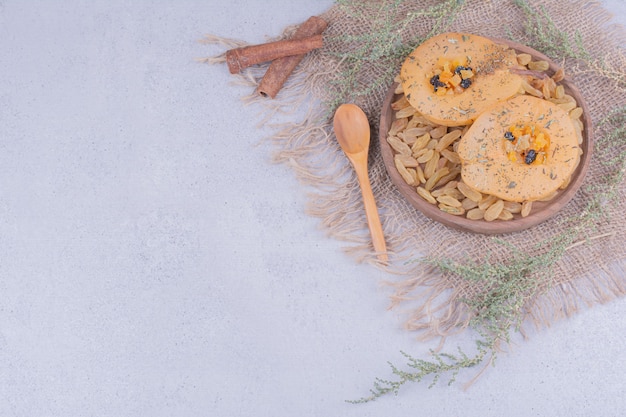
x,y
540,212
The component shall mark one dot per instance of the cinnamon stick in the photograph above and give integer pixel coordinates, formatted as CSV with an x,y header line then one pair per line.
x,y
281,68
240,58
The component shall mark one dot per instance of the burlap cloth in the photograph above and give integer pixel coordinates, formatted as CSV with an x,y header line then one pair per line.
x,y
591,270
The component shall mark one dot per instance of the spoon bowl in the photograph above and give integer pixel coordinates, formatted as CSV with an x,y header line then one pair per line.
x,y
352,130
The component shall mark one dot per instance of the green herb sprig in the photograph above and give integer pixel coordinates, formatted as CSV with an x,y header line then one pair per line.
x,y
545,36
381,49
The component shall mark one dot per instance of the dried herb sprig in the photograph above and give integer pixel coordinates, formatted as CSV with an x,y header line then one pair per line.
x,y
507,289
381,49
611,151
440,364
544,35
609,68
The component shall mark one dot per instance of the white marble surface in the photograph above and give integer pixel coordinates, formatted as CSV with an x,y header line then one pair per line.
x,y
153,263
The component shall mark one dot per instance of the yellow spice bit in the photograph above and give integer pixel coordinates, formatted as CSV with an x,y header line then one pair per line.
x,y
467,74
512,156
540,142
455,80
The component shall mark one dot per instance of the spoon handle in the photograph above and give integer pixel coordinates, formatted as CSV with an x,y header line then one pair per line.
x,y
371,212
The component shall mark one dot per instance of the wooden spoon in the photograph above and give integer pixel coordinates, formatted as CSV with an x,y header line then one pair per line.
x,y
353,134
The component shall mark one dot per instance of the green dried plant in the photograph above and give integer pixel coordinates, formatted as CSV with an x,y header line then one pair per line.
x,y
544,35
381,49
440,364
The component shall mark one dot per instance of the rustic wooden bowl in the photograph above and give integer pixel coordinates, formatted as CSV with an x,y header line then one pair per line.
x,y
540,212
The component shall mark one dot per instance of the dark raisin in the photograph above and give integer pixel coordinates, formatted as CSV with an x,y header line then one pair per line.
x,y
530,156
460,68
465,83
436,83
509,136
